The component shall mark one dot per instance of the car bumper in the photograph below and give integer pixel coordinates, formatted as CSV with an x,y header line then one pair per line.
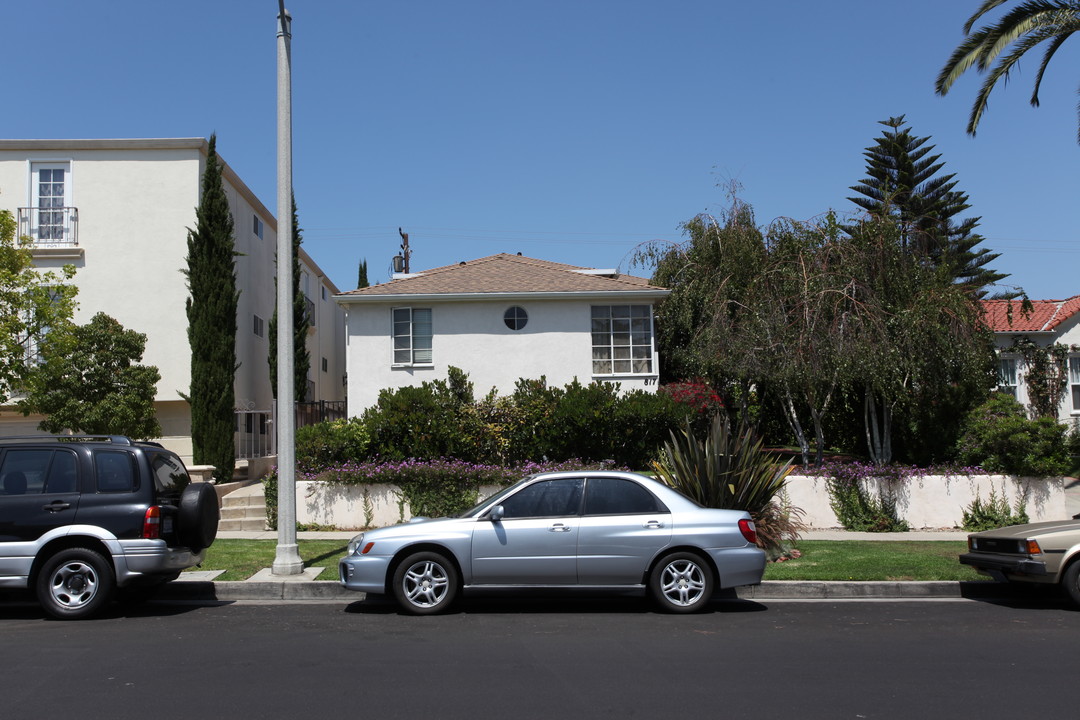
x,y
1004,567
364,573
738,566
139,558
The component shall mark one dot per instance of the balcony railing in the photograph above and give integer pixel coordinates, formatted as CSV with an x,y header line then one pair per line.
x,y
50,227
309,308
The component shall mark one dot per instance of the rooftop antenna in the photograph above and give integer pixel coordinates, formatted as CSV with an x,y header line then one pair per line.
x,y
401,262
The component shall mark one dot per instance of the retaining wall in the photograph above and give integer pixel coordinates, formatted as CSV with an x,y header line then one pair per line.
x,y
932,501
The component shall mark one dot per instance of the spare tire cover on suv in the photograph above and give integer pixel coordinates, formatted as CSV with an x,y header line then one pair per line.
x,y
197,522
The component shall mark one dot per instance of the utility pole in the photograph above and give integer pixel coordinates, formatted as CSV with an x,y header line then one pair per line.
x,y
405,251
287,558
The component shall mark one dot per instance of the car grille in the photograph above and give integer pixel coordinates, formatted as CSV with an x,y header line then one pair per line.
x,y
999,545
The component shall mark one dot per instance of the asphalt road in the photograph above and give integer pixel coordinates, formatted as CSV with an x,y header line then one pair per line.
x,y
553,658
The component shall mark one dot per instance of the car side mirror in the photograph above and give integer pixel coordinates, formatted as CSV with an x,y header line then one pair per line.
x,y
496,513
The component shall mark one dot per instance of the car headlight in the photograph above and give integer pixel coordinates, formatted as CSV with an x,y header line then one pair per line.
x,y
355,544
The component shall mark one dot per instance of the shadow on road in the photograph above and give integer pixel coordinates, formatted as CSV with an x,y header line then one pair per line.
x,y
522,602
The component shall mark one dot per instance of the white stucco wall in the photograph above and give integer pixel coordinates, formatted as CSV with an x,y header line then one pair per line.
x,y
556,343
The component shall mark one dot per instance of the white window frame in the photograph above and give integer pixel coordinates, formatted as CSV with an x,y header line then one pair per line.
x,y
258,326
33,193
623,341
411,337
257,226
1008,379
1074,383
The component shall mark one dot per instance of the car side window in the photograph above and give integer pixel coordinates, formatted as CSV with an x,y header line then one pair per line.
x,y
63,476
547,498
23,471
115,472
616,496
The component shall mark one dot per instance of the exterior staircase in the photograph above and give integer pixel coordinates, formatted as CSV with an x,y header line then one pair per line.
x,y
244,509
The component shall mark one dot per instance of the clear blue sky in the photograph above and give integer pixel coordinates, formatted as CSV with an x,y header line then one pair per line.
x,y
565,130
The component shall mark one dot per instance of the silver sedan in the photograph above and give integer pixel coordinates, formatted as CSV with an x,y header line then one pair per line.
x,y
611,531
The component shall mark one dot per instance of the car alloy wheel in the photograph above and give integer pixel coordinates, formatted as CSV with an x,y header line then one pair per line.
x,y
681,582
425,583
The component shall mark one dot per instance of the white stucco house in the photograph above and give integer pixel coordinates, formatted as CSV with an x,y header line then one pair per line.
x,y
119,210
1049,322
500,318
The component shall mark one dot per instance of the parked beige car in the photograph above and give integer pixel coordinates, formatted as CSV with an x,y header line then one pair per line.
x,y
1045,552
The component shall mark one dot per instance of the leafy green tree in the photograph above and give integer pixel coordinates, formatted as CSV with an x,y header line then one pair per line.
x,y
361,275
32,304
301,323
211,312
90,381
904,184
1028,24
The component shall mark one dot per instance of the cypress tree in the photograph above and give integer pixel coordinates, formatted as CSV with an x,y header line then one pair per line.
x,y
211,312
301,323
361,275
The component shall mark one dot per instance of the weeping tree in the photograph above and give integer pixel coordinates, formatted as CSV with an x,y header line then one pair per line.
x,y
916,336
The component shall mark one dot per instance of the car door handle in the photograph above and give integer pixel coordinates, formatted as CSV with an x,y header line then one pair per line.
x,y
653,525
559,527
56,506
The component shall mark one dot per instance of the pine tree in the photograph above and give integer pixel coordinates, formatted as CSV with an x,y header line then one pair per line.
x,y
903,184
211,311
301,323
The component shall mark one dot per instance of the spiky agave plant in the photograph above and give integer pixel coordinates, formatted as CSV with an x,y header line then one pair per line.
x,y
728,469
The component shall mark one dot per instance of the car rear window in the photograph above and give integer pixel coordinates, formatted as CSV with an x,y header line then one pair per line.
x,y
115,471
170,476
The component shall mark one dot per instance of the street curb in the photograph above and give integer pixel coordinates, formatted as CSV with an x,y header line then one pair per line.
x,y
291,590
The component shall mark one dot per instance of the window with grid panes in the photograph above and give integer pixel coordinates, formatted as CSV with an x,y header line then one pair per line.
x,y
622,340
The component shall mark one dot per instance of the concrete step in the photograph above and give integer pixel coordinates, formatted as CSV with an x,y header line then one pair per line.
x,y
242,524
239,512
243,509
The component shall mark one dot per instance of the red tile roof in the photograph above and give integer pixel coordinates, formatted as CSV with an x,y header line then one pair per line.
x,y
1046,315
505,273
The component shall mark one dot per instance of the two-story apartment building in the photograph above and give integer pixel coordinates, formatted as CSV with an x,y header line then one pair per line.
x,y
119,210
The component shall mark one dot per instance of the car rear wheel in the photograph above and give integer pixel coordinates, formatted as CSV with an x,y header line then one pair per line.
x,y
425,583
1071,582
681,583
75,583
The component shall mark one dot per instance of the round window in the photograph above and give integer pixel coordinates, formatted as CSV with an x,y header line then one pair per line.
x,y
515,318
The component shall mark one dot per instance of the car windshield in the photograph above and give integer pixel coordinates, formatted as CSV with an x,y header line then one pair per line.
x,y
494,499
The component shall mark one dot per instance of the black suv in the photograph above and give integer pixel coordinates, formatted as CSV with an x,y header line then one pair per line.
x,y
81,516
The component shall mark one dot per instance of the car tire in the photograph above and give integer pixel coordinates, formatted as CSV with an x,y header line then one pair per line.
x,y
198,515
1070,580
425,583
681,583
75,583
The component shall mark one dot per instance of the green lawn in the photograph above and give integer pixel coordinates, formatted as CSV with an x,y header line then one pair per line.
x,y
874,560
821,560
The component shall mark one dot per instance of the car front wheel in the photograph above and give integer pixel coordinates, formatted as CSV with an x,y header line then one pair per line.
x,y
681,583
75,583
1071,582
425,583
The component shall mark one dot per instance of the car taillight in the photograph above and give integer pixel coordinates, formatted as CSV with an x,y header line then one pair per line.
x,y
746,527
151,527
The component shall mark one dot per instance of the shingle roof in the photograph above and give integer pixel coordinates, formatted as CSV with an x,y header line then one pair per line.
x,y
1046,315
504,273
